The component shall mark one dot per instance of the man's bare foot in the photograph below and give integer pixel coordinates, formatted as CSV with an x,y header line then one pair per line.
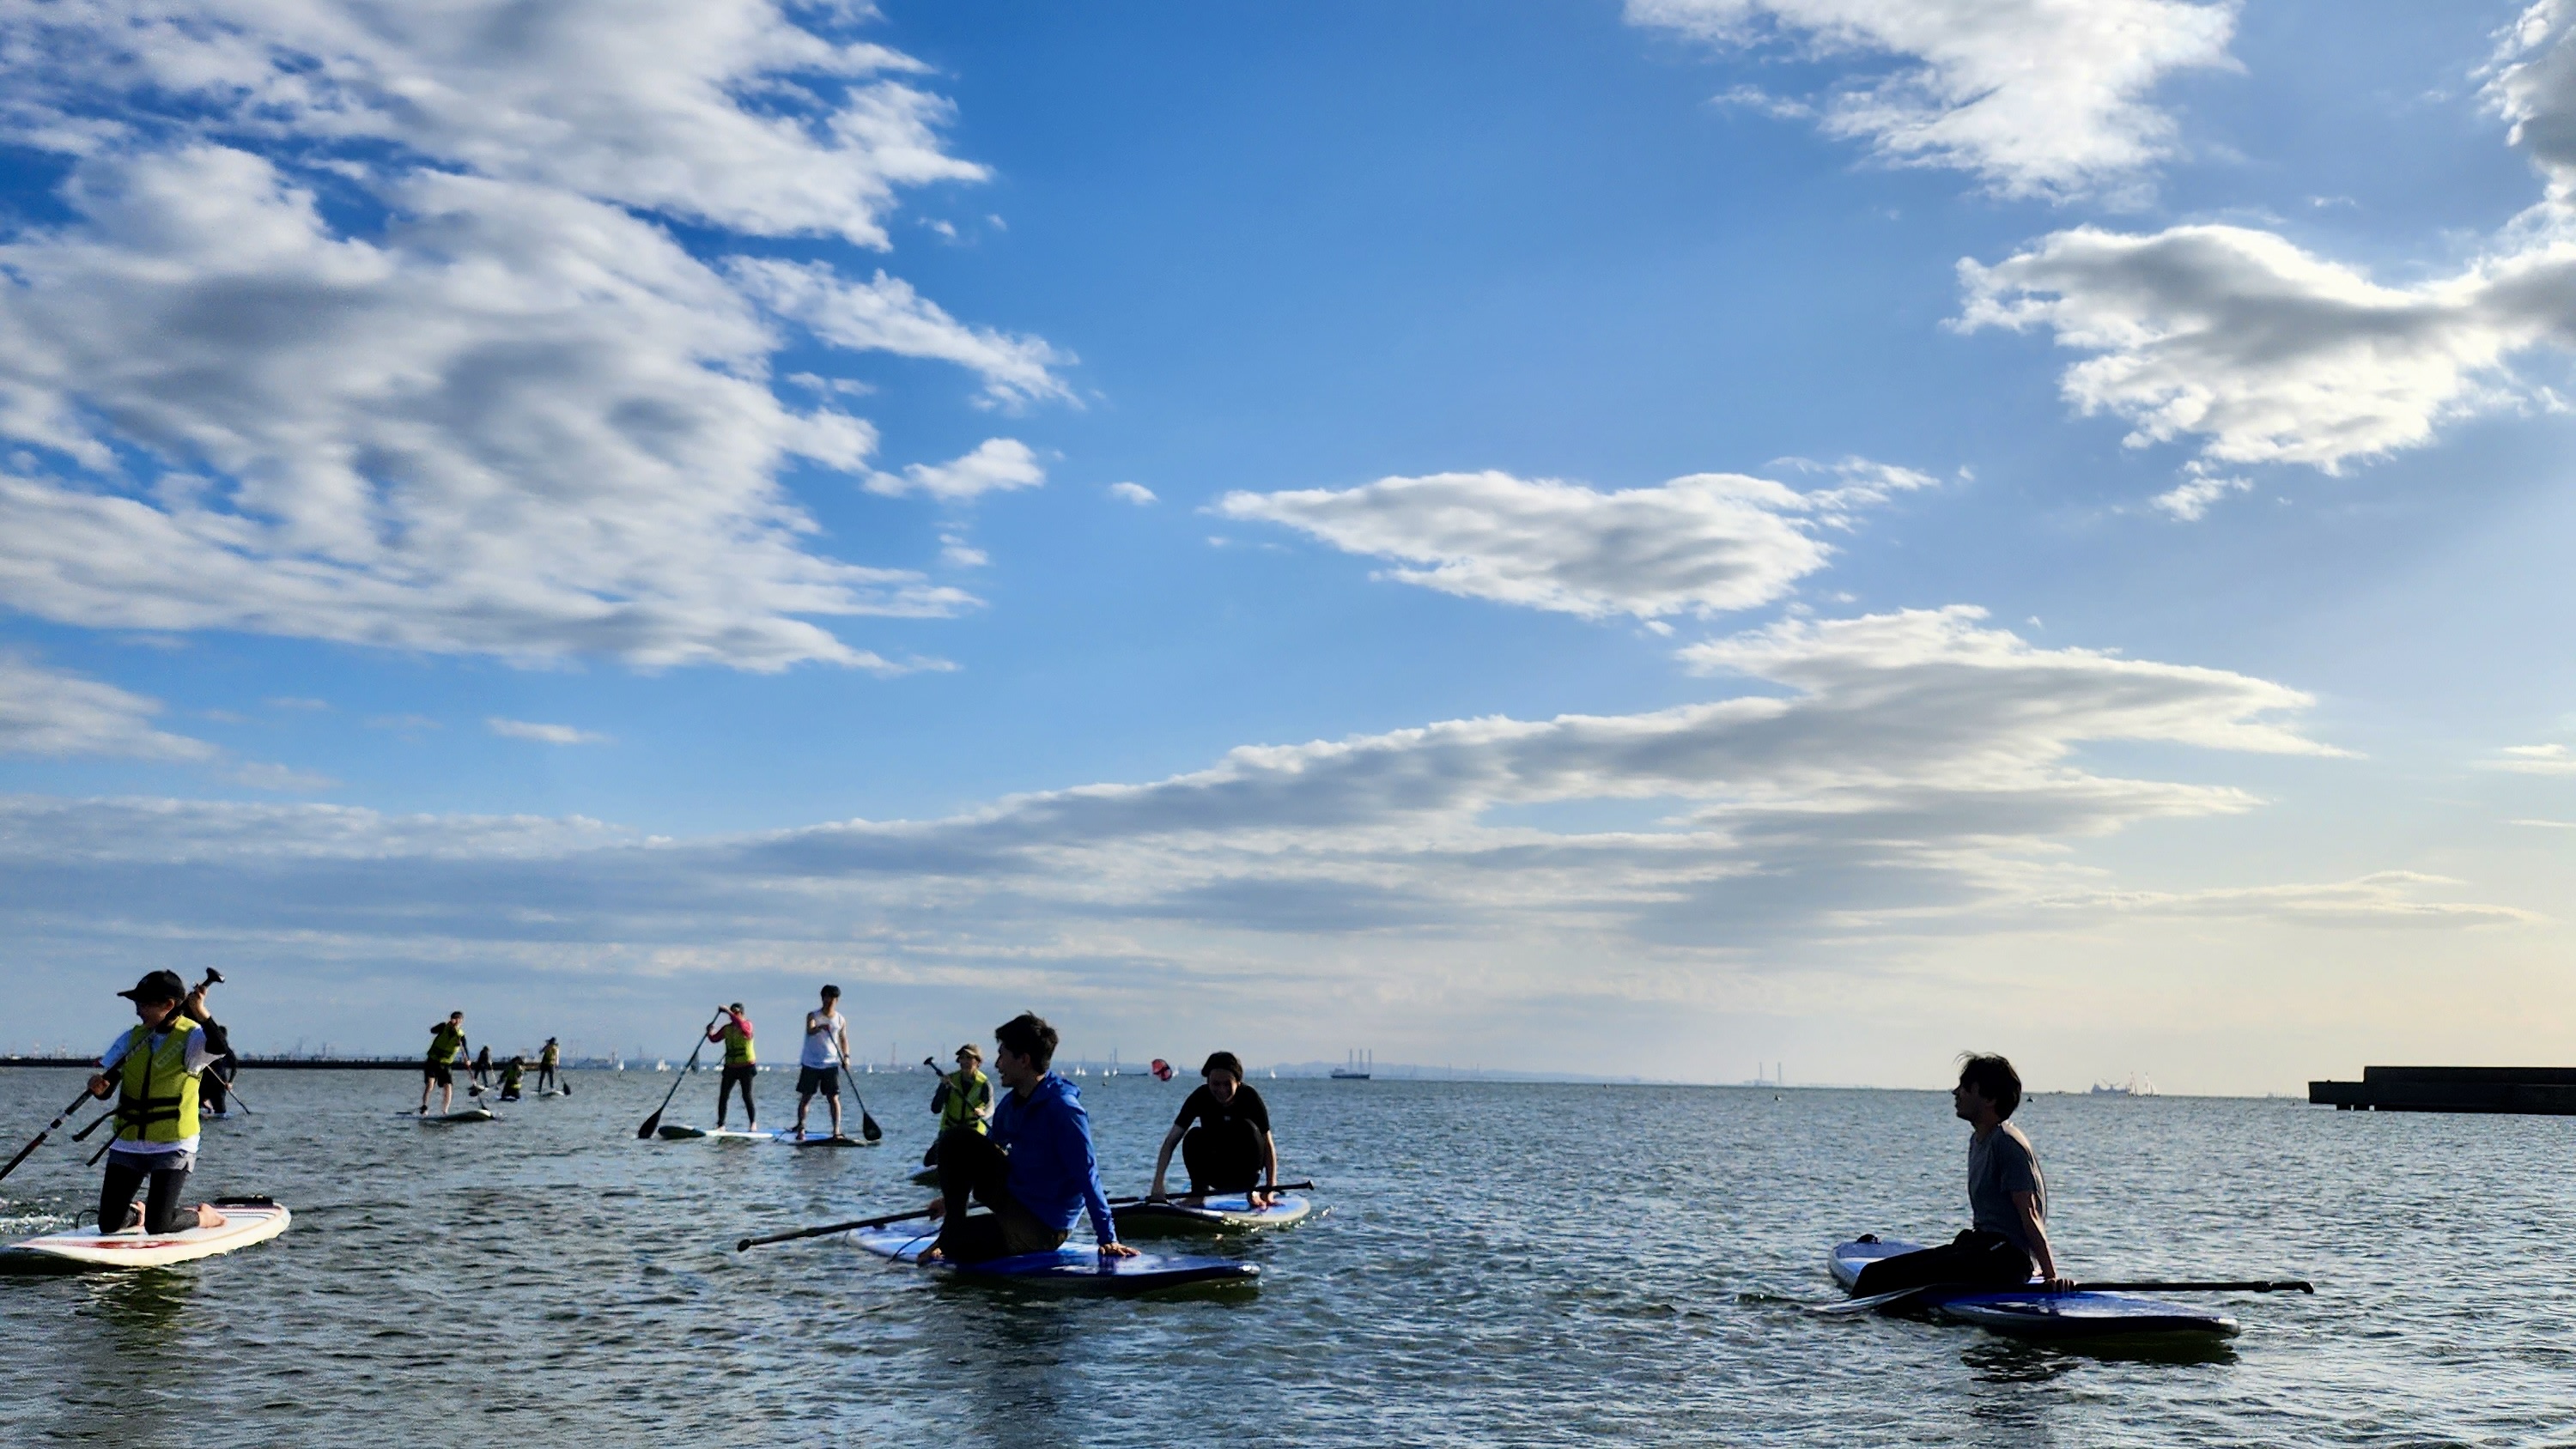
x,y
207,1217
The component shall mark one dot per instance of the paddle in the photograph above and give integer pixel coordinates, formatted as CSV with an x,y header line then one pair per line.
x,y
39,1139
654,1122
868,1127
1876,1302
745,1245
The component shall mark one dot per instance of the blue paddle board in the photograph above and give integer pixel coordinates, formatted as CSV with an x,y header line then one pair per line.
x,y
1073,1267
2034,1312
1216,1213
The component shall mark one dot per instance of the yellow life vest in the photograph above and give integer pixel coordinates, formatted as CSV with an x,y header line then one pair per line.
x,y
965,1094
157,1100
737,1043
445,1042
548,1057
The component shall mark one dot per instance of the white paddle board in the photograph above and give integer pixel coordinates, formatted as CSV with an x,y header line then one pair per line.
x,y
245,1223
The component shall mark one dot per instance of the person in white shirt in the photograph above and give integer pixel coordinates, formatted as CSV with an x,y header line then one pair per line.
x,y
818,1068
153,1068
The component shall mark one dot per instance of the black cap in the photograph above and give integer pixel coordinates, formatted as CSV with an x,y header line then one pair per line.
x,y
158,986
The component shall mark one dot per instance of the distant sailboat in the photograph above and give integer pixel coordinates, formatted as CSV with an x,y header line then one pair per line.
x,y
1356,1068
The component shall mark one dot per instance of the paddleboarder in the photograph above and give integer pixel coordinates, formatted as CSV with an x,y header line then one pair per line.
x,y
818,1067
963,1099
215,1086
1230,1147
1035,1168
512,1073
483,1066
446,1045
740,1066
154,1067
2007,1239
547,1061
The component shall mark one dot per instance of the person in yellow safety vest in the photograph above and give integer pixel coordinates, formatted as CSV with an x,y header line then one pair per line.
x,y
511,1073
446,1046
740,1064
153,1067
547,1061
963,1098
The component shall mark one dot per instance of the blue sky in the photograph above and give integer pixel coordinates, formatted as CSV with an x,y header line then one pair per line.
x,y
1704,531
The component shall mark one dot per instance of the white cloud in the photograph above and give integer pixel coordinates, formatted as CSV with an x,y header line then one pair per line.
x,y
1136,493
637,102
887,315
1703,543
522,423
997,465
2532,83
2535,760
354,330
2190,500
2038,97
2268,353
2379,901
50,712
544,734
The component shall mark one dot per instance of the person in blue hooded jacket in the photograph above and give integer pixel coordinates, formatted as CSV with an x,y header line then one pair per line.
x,y
1034,1167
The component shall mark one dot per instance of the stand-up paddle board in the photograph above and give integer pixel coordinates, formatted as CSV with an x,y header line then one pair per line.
x,y
1216,1213
817,1139
2034,1312
246,1221
1071,1266
677,1131
467,1114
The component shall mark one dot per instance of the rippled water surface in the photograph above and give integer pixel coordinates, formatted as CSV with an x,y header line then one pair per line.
x,y
1499,1264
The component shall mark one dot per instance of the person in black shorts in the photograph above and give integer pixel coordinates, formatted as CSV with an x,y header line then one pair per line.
x,y
1230,1149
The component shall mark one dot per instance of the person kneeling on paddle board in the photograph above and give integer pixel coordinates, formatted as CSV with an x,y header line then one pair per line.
x,y
446,1044
963,1099
513,1072
741,1065
2006,1243
1035,1169
818,1069
1231,1147
153,1068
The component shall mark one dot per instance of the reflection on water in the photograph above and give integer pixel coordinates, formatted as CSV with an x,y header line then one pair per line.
x,y
1503,1264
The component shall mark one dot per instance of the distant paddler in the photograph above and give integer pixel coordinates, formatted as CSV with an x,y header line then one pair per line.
x,y
1230,1148
818,1069
547,1061
446,1046
2006,1243
741,1067
215,1085
963,1099
483,1066
1034,1169
513,1072
153,1068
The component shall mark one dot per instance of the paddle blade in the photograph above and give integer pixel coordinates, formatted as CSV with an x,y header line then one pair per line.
x,y
868,1127
651,1125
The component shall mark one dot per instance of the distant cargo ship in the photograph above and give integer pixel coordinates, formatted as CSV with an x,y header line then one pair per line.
x,y
1356,1068
2136,1086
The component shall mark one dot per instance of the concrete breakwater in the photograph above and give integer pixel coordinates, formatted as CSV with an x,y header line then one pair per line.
x,y
2541,1091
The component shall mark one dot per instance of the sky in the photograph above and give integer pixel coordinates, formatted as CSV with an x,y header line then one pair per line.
x,y
1672,538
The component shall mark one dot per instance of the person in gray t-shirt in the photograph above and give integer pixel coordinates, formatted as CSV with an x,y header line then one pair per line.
x,y
2007,1240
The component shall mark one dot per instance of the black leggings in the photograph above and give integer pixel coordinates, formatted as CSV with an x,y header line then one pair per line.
x,y
1227,1161
545,1078
161,1210
1972,1257
971,1167
740,1074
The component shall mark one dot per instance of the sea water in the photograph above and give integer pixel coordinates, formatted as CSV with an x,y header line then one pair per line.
x,y
1499,1264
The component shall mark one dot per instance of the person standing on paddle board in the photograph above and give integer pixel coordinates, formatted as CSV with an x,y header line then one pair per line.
x,y
153,1067
741,1065
483,1066
2007,1240
963,1099
1034,1169
818,1068
1231,1147
446,1044
547,1061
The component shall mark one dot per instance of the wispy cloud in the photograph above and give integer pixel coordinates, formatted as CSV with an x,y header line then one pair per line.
x,y
997,465
1699,544
544,734
886,315
2552,759
1136,493
2038,97
55,713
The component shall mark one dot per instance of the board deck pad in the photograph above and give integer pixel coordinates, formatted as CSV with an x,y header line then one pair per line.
x,y
678,1131
2035,1313
245,1223
1078,1267
1218,1213
468,1114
